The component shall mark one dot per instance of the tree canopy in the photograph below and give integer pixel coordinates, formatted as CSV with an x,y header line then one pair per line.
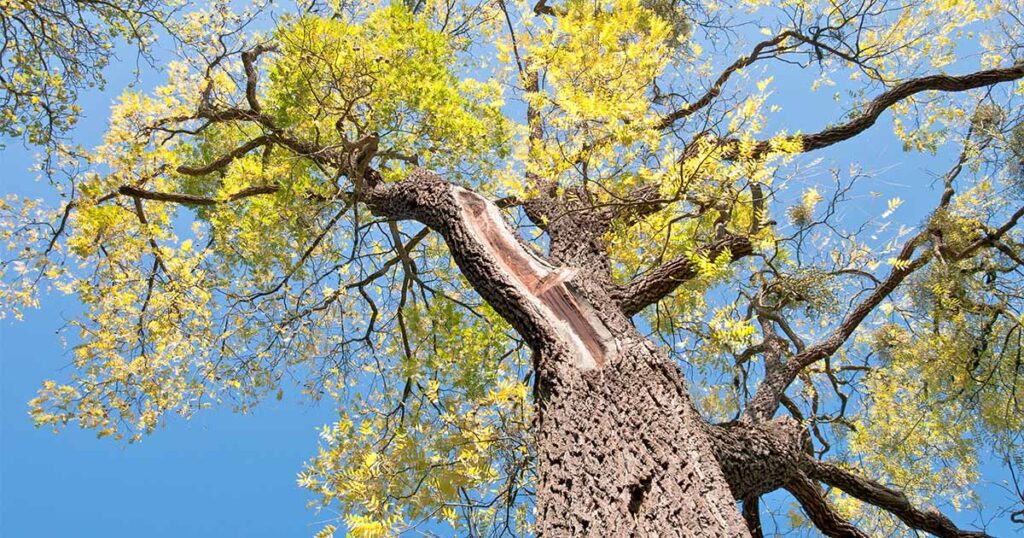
x,y
227,241
54,49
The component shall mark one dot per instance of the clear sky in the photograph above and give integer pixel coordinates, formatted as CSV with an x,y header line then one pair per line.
x,y
222,474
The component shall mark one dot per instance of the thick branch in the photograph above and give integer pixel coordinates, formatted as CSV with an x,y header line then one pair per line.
x,y
878,105
991,238
886,498
658,283
327,155
759,458
752,515
818,510
542,8
641,202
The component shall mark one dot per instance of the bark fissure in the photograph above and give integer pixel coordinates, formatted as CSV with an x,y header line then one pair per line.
x,y
637,492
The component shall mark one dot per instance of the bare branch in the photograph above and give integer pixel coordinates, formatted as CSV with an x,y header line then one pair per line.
x,y
191,199
716,88
818,510
875,108
766,400
224,160
141,214
249,58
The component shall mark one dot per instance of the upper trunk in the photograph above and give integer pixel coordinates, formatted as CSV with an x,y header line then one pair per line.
x,y
621,449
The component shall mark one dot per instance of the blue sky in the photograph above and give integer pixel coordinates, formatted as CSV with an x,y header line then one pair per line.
x,y
223,474
220,474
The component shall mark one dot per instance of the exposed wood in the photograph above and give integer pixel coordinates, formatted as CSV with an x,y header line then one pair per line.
x,y
549,286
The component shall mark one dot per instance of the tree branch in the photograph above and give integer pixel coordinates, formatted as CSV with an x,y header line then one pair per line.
x,y
225,159
818,510
888,499
658,283
191,199
534,296
875,108
249,58
752,515
716,88
766,400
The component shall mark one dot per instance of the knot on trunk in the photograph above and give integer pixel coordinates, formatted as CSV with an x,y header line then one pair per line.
x,y
759,458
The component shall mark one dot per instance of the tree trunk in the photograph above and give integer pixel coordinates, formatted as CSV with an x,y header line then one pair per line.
x,y
622,452
621,449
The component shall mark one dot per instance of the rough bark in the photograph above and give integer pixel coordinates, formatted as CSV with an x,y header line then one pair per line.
x,y
760,458
622,452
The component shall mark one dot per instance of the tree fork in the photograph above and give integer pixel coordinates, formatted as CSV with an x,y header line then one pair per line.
x,y
622,451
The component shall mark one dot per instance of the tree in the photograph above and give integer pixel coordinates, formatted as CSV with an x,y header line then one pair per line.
x,y
333,202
